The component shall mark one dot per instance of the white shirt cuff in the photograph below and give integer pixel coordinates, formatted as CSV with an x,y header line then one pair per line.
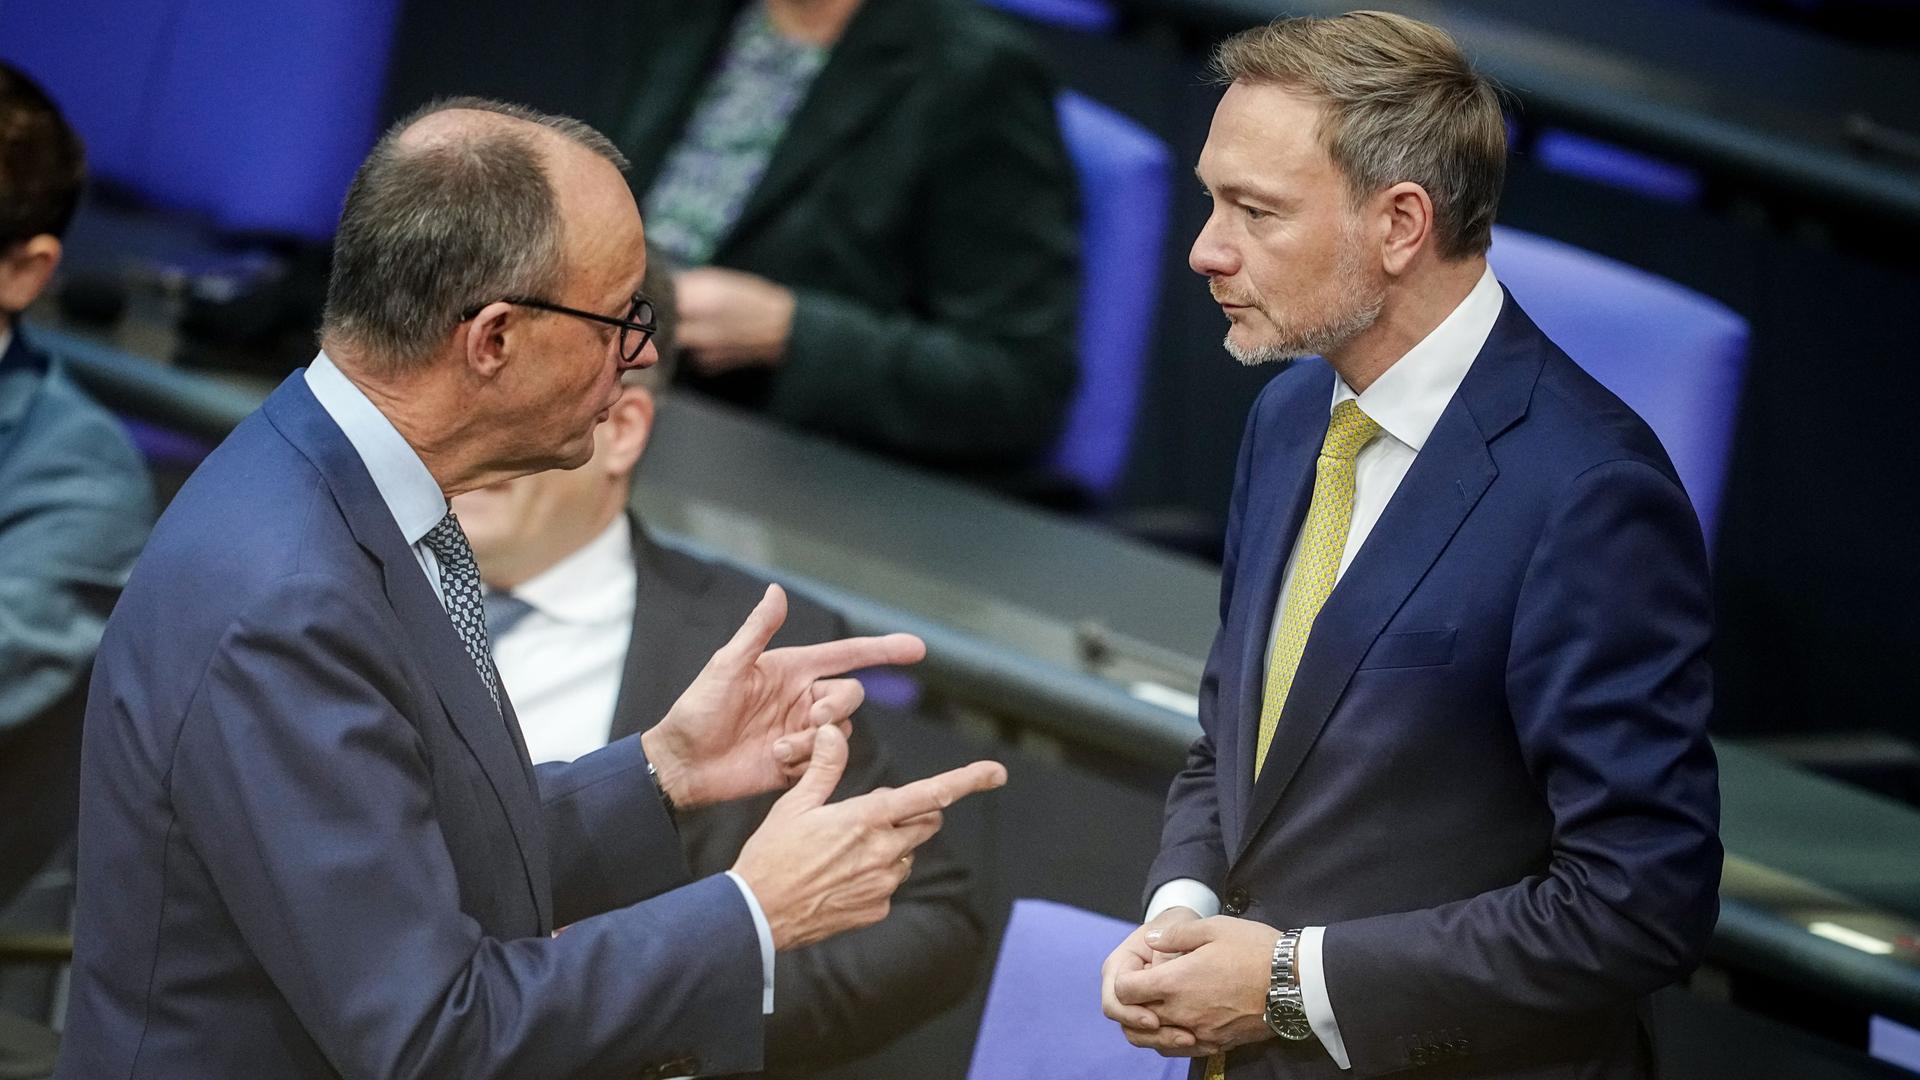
x,y
1313,995
765,930
1183,892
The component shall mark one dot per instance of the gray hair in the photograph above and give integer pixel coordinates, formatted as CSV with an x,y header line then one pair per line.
x,y
1401,103
431,230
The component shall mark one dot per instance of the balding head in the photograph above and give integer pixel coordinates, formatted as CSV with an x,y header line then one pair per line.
x,y
459,204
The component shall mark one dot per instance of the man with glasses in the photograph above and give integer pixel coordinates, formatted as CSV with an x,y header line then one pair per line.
x,y
312,843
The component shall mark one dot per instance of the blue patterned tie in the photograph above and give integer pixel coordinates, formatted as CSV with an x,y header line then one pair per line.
x,y
460,588
504,612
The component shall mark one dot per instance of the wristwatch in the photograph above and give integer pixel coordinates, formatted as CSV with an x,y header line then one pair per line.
x,y
1286,1011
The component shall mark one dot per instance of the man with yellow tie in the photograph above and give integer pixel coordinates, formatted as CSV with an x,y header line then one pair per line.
x,y
1453,805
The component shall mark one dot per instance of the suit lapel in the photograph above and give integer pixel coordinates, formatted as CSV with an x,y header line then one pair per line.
x,y
1446,481
666,602
870,67
653,93
493,740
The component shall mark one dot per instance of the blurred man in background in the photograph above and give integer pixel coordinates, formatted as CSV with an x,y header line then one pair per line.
x,y
597,628
75,500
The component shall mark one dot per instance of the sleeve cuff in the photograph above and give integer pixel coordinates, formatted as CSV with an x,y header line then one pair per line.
x,y
765,931
1313,995
1183,892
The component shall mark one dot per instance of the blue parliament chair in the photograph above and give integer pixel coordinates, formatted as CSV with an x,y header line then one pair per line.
x,y
1676,356
1043,1018
1126,190
1085,16
251,115
1617,167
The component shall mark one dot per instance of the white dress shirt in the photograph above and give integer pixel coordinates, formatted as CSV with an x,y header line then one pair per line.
x,y
1406,401
417,504
562,663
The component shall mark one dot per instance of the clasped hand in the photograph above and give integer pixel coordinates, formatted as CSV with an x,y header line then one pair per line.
x,y
1190,987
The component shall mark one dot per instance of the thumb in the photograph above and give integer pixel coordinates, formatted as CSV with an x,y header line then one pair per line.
x,y
816,785
1181,937
762,623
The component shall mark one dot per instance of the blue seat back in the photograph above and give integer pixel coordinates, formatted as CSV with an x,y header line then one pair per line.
x,y
1043,1018
253,115
1616,166
1676,356
1085,16
1126,188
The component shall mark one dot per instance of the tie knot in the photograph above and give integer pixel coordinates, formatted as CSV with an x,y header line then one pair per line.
x,y
448,540
1348,432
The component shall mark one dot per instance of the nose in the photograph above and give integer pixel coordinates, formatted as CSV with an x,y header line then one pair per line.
x,y
649,355
1212,255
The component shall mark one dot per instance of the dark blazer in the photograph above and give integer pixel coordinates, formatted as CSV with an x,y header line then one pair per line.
x,y
1492,781
310,846
854,992
921,206
75,506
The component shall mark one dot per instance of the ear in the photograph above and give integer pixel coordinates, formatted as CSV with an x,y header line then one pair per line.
x,y
1409,217
629,425
26,269
485,341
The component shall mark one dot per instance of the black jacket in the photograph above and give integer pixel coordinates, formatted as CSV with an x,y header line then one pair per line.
x,y
921,205
852,993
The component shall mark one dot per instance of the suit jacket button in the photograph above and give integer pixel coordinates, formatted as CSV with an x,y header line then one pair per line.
x,y
1237,901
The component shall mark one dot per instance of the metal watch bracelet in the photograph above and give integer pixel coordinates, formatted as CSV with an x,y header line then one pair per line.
x,y
1286,1013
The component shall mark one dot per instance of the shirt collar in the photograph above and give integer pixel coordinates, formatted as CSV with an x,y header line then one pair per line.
x,y
411,493
6,337
592,585
1408,398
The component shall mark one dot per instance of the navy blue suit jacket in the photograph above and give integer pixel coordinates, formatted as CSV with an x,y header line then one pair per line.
x,y
310,846
1491,781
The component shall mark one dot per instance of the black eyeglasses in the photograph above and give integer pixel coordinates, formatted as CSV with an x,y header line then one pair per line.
x,y
637,327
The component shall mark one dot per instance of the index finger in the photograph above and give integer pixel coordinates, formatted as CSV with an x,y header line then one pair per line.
x,y
830,658
940,791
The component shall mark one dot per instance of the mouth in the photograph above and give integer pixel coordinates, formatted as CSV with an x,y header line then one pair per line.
x,y
1228,304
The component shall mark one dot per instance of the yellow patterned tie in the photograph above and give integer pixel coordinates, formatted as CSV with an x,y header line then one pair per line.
x,y
1323,539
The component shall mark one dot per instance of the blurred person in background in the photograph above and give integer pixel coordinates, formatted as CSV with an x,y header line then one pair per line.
x,y
873,214
597,628
75,499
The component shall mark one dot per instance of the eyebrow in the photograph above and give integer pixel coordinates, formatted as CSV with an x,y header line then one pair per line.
x,y
1236,191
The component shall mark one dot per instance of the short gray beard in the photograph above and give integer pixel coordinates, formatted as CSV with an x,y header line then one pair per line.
x,y
1318,340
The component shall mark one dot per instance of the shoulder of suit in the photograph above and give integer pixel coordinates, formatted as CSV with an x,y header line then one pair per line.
x,y
66,416
975,45
256,511
1589,422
